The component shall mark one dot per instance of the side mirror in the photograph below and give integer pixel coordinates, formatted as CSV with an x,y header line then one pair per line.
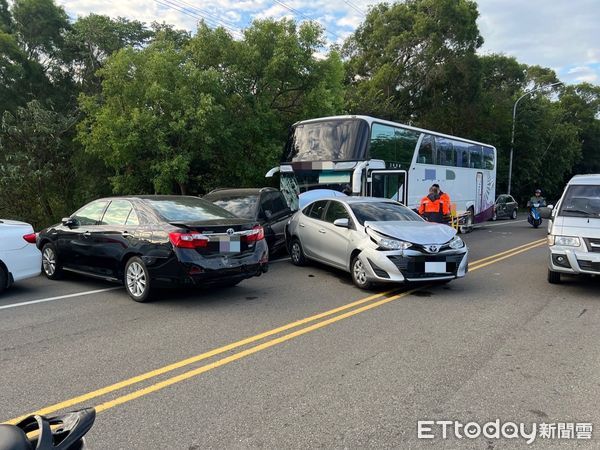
x,y
342,223
69,222
550,207
268,214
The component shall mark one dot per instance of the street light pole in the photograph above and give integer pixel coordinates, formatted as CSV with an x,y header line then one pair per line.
x,y
512,137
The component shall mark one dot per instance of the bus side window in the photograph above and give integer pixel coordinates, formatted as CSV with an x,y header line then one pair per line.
x,y
462,153
446,156
488,158
476,154
427,150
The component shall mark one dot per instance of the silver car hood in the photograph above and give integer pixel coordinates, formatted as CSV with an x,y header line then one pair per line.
x,y
414,232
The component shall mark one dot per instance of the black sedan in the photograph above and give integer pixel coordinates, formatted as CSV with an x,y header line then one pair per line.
x,y
505,208
148,242
266,205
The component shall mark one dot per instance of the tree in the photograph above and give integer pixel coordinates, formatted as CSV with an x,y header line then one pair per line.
x,y
405,53
35,171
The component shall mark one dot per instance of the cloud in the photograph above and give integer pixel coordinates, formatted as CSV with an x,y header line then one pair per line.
x,y
583,74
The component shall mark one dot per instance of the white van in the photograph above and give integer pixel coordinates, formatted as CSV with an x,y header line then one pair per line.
x,y
574,231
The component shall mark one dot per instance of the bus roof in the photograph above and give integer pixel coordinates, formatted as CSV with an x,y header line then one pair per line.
x,y
370,121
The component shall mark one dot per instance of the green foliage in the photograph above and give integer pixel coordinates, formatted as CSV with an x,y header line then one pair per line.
x,y
35,148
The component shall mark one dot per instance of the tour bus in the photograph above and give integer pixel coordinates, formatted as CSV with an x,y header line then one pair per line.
x,y
378,158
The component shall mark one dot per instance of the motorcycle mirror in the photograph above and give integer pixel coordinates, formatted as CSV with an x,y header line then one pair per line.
x,y
550,207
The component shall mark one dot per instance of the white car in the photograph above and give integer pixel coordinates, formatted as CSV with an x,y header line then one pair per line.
x,y
19,257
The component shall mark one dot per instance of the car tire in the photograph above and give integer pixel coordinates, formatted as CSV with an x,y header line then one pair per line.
x,y
297,253
137,280
359,274
50,266
3,279
464,229
513,216
553,277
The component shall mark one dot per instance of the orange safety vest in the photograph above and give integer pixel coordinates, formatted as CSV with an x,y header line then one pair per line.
x,y
445,198
432,210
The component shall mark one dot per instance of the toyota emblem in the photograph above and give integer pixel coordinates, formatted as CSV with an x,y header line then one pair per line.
x,y
433,248
230,231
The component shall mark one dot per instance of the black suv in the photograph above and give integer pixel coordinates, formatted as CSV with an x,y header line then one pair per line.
x,y
266,206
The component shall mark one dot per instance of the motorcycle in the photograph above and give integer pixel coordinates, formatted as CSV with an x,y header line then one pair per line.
x,y
534,218
63,432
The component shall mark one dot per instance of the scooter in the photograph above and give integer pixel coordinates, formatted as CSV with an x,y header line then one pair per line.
x,y
534,217
64,432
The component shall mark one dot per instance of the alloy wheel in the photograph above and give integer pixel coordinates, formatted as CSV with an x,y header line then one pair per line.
x,y
136,279
49,261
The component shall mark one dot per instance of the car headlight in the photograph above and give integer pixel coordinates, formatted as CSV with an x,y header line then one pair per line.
x,y
393,244
388,243
456,243
564,241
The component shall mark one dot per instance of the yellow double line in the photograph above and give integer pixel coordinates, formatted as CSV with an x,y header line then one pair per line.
x,y
360,306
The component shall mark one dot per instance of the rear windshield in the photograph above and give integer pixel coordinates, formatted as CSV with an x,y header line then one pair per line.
x,y
241,205
581,201
382,212
187,209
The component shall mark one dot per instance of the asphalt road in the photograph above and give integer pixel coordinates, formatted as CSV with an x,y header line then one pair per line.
x,y
301,358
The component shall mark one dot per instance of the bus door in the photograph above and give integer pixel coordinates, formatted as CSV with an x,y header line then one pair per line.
x,y
479,193
388,184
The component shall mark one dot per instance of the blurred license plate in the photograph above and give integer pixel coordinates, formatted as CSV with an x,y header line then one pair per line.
x,y
229,244
435,267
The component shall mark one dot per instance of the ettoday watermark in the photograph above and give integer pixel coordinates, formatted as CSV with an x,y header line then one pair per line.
x,y
445,429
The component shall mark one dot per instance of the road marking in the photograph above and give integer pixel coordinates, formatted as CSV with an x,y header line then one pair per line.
x,y
539,241
179,364
500,224
60,297
482,265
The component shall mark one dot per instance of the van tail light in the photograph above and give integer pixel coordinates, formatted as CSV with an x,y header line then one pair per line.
x,y
30,238
188,240
256,234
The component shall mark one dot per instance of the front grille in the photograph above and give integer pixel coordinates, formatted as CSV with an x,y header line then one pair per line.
x,y
593,245
414,266
589,265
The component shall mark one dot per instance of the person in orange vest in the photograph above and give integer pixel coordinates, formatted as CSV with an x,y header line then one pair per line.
x,y
445,198
432,207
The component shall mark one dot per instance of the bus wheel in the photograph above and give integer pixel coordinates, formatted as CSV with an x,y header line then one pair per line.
x,y
468,226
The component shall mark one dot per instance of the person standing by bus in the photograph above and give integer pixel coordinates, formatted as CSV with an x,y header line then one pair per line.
x,y
445,198
432,207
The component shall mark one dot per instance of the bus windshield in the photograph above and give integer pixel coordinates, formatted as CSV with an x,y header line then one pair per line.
x,y
328,140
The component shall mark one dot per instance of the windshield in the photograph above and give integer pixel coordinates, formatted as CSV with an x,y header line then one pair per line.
x,y
187,209
382,212
581,201
240,205
328,140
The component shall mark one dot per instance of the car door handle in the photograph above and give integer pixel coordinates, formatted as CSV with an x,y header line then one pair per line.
x,y
302,225
322,231
87,234
126,234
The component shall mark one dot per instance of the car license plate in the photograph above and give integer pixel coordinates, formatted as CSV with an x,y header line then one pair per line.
x,y
229,244
435,267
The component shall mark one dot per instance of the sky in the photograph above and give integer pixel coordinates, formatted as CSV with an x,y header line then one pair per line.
x,y
561,34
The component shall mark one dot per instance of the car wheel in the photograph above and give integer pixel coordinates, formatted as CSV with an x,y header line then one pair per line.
x,y
3,279
468,226
553,277
513,216
359,274
296,253
137,280
50,265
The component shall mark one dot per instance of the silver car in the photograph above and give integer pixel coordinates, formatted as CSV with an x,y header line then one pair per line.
x,y
376,240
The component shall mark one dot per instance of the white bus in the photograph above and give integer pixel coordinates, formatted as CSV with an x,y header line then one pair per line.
x,y
378,158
